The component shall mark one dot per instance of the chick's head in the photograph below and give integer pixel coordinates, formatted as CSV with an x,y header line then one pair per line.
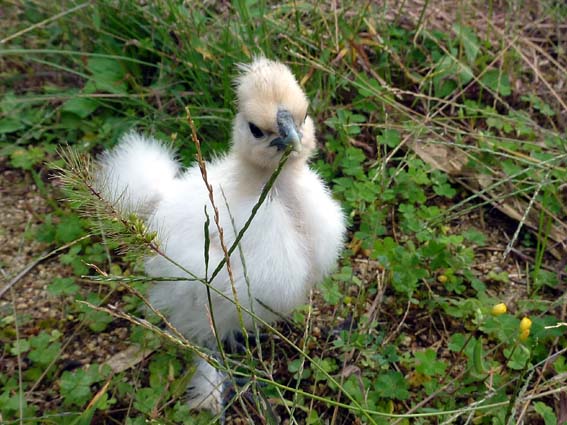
x,y
272,113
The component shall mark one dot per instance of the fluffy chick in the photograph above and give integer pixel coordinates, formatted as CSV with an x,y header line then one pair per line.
x,y
293,242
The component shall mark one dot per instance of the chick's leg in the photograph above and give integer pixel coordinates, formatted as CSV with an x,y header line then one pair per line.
x,y
237,343
205,390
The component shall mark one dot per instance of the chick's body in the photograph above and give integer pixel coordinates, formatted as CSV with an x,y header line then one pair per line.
x,y
292,243
287,249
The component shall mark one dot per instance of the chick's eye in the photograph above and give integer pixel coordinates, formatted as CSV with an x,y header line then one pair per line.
x,y
256,132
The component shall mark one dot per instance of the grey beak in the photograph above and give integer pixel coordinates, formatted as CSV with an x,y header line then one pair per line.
x,y
287,130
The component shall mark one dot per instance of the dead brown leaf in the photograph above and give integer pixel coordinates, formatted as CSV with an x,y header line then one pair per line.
x,y
127,358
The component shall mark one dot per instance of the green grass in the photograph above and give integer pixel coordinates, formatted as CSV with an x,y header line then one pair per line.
x,y
444,142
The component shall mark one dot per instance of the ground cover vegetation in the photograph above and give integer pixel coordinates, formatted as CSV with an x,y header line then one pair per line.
x,y
442,132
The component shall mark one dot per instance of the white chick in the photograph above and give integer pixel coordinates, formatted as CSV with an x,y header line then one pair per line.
x,y
292,244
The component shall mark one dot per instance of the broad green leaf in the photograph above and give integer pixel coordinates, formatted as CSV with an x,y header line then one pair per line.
x,y
390,138
392,385
517,357
108,75
63,286
69,229
457,342
497,81
27,158
546,413
80,106
428,364
470,42
330,291
20,346
75,387
10,125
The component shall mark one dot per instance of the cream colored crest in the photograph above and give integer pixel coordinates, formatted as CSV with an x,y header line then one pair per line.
x,y
265,91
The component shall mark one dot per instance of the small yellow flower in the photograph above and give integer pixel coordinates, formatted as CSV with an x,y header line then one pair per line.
x,y
525,324
499,309
442,278
524,335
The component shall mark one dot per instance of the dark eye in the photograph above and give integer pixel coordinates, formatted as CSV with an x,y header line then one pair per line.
x,y
256,132
305,119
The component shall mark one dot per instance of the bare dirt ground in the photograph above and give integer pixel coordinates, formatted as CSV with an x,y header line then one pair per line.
x,y
27,299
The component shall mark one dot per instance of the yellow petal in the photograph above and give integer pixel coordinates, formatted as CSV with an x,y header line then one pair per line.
x,y
524,335
525,324
499,309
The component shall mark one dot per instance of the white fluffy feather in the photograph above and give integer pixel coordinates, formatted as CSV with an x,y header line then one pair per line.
x,y
293,242
134,175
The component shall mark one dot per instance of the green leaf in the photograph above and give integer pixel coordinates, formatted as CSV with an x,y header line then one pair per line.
x,y
428,364
163,367
97,320
63,286
560,365
353,388
331,292
20,346
328,365
470,42
75,387
46,231
450,73
518,357
477,357
108,75
444,88
44,351
146,399
504,327
539,104
445,189
457,342
546,413
475,236
368,87
392,385
295,367
80,106
313,418
10,125
9,103
384,249
390,138
26,159
69,229
497,81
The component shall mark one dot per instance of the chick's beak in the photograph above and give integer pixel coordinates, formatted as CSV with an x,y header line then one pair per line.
x,y
288,133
